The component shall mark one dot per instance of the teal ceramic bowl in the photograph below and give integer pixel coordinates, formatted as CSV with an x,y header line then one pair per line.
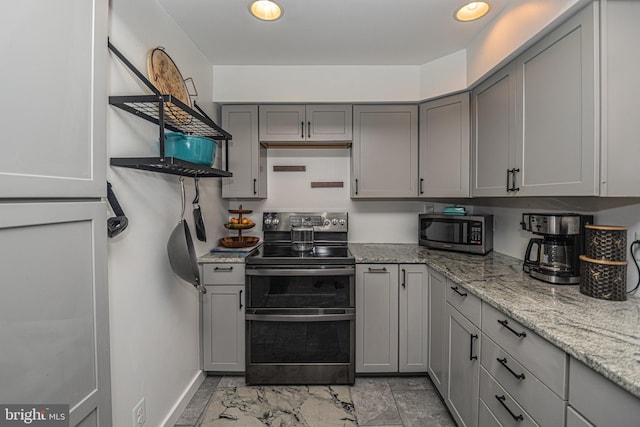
x,y
190,148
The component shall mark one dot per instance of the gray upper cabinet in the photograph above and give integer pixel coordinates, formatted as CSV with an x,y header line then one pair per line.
x,y
620,173
384,156
306,123
535,121
557,122
493,147
54,123
444,147
247,158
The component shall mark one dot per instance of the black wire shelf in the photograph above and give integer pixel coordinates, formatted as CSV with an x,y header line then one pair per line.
x,y
169,165
169,113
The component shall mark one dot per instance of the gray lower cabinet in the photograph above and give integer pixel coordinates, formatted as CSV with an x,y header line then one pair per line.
x,y
437,363
594,400
444,147
384,154
463,355
414,318
223,332
247,158
391,318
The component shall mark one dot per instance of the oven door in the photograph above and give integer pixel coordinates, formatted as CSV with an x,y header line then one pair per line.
x,y
300,324
300,287
300,346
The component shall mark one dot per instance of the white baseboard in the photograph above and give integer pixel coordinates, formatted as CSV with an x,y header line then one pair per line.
x,y
183,401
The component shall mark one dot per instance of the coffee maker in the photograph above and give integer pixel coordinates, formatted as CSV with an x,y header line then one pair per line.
x,y
554,258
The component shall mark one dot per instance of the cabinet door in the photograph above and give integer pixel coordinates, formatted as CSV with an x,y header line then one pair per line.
x,y
414,318
384,153
54,325
376,318
437,330
247,158
444,147
493,149
329,122
557,120
223,328
464,369
54,122
282,123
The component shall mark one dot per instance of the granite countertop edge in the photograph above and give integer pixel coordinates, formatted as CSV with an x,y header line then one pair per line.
x,y
597,332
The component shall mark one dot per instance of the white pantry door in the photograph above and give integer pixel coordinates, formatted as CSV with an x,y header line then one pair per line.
x,y
53,110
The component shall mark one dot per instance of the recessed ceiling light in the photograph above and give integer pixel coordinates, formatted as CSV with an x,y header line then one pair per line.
x,y
265,10
472,11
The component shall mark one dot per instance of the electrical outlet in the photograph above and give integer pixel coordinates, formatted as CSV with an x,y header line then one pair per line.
x,y
139,414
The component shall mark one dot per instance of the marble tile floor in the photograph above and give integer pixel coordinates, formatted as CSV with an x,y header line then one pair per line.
x,y
371,401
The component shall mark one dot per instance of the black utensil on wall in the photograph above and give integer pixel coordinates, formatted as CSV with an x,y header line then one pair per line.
x,y
118,223
201,233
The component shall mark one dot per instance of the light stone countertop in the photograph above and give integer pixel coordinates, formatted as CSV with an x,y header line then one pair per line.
x,y
605,335
227,257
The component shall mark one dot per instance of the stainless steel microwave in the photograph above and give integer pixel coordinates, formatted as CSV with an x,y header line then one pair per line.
x,y
461,233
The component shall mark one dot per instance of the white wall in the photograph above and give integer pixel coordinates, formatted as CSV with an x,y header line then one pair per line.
x,y
515,28
369,221
235,84
154,315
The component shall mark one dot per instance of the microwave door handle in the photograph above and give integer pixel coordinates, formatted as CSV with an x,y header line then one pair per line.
x,y
465,230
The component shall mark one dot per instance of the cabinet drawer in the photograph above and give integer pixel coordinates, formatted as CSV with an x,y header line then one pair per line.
x,y
223,274
536,398
501,404
574,419
465,302
544,360
485,417
602,402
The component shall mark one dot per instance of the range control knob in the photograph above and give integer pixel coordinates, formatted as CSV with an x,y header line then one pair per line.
x,y
267,221
342,221
275,221
334,221
326,222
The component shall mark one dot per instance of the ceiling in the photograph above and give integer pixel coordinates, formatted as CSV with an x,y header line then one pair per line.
x,y
328,32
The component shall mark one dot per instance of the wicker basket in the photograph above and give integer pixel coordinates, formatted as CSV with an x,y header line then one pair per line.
x,y
603,279
605,242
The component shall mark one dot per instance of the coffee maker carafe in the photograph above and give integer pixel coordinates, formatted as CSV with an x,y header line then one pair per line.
x,y
554,258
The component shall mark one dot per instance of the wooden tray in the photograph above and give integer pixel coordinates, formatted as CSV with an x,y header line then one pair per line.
x,y
239,242
165,76
229,226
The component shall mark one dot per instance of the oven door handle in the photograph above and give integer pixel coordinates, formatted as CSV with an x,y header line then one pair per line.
x,y
347,271
300,317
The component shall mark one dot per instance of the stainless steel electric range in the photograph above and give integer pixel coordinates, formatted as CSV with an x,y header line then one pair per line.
x,y
300,304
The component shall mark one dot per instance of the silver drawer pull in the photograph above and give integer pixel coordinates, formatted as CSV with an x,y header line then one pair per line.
x,y
377,270
505,323
501,399
503,362
223,268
